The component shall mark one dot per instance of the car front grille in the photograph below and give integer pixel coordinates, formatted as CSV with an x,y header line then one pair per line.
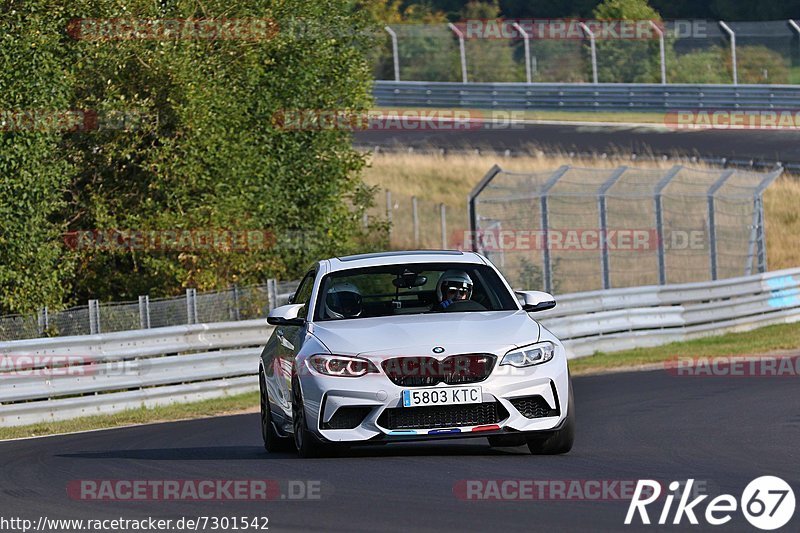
x,y
534,407
347,418
428,371
443,416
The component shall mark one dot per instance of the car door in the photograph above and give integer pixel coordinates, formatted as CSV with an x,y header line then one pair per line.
x,y
290,338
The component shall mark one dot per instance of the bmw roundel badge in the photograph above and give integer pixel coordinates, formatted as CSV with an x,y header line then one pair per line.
x,y
438,349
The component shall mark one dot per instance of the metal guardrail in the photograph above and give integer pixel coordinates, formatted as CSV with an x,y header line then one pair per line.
x,y
620,319
586,96
108,373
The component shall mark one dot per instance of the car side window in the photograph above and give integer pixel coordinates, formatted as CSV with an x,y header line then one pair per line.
x,y
303,294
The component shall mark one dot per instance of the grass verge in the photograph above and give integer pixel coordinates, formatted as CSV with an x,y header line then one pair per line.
x,y
780,337
637,117
143,415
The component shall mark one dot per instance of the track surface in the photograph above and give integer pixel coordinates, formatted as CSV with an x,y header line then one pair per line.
x,y
630,426
739,144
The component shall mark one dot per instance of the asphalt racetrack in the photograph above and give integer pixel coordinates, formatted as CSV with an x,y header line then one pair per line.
x,y
723,432
758,145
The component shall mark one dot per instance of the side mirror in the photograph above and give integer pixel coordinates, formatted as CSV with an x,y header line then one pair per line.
x,y
535,300
286,315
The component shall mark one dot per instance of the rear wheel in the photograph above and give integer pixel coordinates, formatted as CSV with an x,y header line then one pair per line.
x,y
556,442
273,442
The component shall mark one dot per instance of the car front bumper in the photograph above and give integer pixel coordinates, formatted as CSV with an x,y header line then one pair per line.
x,y
506,390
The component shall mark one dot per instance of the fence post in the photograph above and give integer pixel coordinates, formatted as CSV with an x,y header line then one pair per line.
x,y
712,224
389,211
144,311
415,220
462,50
547,267
43,320
588,32
601,201
662,184
661,51
395,55
191,306
443,220
236,311
94,317
527,43
732,35
762,238
272,293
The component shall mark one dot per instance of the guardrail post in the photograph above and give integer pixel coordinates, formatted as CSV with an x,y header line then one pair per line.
x,y
601,202
94,317
662,184
395,55
43,321
462,50
272,293
661,52
547,267
236,311
415,220
144,312
527,44
191,306
732,35
589,32
712,224
443,221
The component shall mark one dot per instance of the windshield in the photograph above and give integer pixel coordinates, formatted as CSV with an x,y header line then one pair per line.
x,y
412,289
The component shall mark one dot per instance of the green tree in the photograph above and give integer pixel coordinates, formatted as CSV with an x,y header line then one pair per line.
x,y
205,154
627,61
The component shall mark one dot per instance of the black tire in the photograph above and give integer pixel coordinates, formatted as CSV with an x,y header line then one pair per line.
x,y
305,442
556,442
273,442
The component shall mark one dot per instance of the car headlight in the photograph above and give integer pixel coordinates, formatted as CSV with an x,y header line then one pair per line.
x,y
341,366
535,354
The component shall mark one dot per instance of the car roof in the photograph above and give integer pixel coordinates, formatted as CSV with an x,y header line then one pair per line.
x,y
404,257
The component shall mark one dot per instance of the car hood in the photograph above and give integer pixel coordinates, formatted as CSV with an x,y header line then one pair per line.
x,y
494,332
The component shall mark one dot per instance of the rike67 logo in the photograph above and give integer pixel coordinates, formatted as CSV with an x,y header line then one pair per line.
x,y
767,502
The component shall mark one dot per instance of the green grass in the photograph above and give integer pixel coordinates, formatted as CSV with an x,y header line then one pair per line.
x,y
757,342
580,116
184,411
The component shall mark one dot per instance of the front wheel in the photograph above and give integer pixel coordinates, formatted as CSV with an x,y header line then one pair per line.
x,y
557,442
273,442
306,443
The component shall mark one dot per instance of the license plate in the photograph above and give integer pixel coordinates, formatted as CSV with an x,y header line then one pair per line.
x,y
441,396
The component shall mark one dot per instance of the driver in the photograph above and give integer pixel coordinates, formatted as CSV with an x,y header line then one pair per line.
x,y
343,301
453,286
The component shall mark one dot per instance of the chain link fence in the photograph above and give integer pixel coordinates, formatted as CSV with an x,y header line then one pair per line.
x,y
575,51
580,229
192,308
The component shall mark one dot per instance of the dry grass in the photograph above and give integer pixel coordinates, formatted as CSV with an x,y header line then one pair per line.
x,y
450,178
